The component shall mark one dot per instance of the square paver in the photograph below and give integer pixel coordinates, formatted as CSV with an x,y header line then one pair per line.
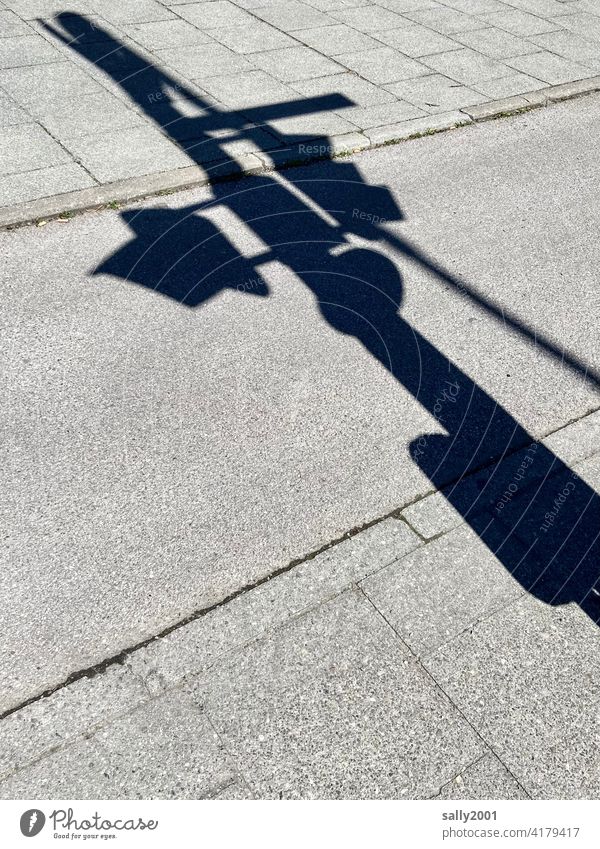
x,y
466,66
335,39
162,34
528,678
253,39
433,594
445,20
300,128
291,15
40,86
510,86
44,182
519,23
164,749
360,92
295,63
251,88
383,65
585,25
129,11
215,14
381,114
495,43
487,778
11,25
549,68
127,153
11,113
203,60
89,114
331,706
436,93
370,18
571,46
417,41
26,50
27,147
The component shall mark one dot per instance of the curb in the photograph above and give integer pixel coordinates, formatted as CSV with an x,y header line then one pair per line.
x,y
166,182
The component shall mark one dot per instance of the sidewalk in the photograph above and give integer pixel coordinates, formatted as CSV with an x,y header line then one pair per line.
x,y
401,663
106,100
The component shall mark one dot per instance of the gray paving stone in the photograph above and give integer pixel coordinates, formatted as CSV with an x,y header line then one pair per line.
x,y
11,113
290,15
127,153
377,116
253,39
543,8
11,25
53,722
163,749
466,66
295,63
570,46
215,14
510,86
577,441
39,87
416,41
495,108
432,515
436,93
130,11
383,65
317,125
161,34
32,9
206,60
331,706
519,23
198,645
27,147
495,43
402,6
445,20
251,88
45,182
416,127
528,678
88,115
370,18
338,38
549,67
235,792
356,89
475,7
26,50
588,26
487,778
433,594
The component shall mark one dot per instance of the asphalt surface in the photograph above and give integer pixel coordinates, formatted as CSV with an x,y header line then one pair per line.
x,y
161,455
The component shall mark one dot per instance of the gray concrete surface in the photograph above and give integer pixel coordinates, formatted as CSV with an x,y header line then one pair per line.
x,y
162,460
66,84
150,470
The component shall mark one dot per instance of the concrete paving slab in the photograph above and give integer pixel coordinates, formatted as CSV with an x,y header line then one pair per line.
x,y
43,182
28,147
37,87
137,756
444,20
527,679
382,114
434,594
206,60
11,113
383,65
291,15
156,35
466,66
12,25
358,91
254,38
570,46
487,778
295,63
548,67
416,41
370,18
496,43
26,50
509,86
331,706
336,38
520,23
436,93
578,441
251,88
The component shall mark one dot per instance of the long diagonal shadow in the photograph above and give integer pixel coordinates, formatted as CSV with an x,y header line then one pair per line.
x,y
539,518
